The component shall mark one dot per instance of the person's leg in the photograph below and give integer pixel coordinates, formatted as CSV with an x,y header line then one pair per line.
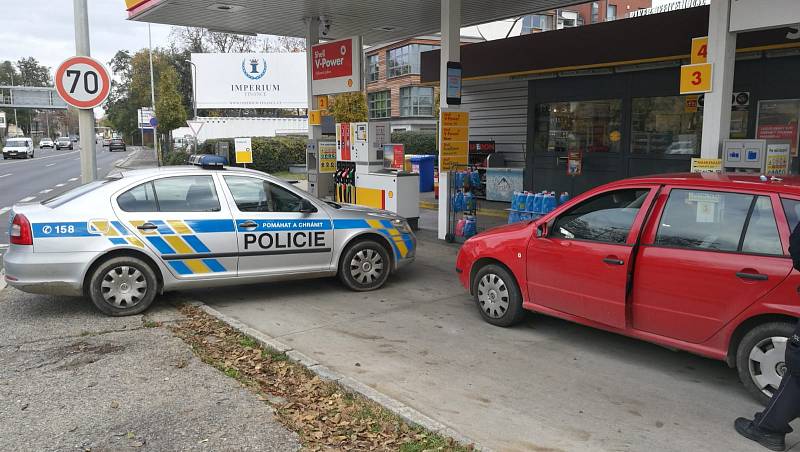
x,y
783,408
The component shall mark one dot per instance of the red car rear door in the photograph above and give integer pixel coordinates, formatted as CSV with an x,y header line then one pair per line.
x,y
705,257
581,266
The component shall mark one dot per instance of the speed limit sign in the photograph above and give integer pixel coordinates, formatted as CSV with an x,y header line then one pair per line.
x,y
82,82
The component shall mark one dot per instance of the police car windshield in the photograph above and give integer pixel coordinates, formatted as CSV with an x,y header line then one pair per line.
x,y
77,192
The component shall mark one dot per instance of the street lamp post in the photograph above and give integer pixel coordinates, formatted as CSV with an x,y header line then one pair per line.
x,y
194,97
16,124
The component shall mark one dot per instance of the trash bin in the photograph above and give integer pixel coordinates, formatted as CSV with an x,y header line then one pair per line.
x,y
423,164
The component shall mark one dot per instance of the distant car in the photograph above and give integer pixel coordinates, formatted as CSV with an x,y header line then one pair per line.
x,y
106,142
116,143
18,148
46,143
63,143
73,138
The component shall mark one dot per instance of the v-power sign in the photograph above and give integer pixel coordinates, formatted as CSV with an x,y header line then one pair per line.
x,y
82,82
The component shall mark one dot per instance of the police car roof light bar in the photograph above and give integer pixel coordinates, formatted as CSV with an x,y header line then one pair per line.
x,y
208,161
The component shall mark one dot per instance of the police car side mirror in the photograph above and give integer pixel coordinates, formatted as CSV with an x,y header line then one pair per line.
x,y
307,207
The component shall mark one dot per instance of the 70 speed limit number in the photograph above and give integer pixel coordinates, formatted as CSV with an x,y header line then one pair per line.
x,y
82,82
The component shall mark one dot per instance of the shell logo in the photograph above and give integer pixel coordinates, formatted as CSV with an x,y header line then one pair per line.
x,y
391,194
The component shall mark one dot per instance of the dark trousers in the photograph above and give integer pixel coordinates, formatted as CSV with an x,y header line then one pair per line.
x,y
783,407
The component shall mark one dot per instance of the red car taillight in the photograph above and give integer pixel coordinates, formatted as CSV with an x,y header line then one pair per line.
x,y
20,231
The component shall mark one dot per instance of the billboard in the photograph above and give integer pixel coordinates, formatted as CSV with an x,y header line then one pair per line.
x,y
336,67
749,15
250,80
144,116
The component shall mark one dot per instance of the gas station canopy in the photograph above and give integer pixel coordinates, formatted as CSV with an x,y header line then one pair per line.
x,y
375,20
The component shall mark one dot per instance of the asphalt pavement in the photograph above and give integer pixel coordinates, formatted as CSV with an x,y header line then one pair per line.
x,y
48,174
73,379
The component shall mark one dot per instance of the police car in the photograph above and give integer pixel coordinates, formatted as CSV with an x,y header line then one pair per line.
x,y
124,239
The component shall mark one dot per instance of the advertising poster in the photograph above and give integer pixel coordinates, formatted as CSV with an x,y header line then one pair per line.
x,y
778,158
327,157
2,120
574,163
779,132
336,66
501,183
243,149
455,139
394,156
707,165
250,80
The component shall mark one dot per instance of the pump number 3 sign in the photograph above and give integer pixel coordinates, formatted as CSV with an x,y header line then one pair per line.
x,y
695,78
82,82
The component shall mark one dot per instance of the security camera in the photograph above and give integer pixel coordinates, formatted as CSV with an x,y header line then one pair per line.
x,y
324,26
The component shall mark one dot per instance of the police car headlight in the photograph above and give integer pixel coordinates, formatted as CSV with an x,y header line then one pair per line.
x,y
401,225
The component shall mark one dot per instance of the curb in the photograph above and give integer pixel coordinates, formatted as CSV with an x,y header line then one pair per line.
x,y
485,212
405,412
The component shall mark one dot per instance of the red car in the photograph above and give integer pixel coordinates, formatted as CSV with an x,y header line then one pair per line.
x,y
697,262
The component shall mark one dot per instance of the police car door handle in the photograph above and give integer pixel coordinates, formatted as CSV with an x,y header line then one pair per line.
x,y
147,227
248,225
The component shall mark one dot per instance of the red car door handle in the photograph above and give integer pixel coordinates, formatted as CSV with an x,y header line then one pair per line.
x,y
753,276
613,261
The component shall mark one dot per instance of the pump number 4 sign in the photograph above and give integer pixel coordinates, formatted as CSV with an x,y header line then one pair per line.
x,y
82,82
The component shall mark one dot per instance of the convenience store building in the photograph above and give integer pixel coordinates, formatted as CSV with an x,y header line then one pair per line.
x,y
610,91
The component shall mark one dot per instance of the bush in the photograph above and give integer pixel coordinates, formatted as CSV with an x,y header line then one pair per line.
x,y
416,142
175,157
270,154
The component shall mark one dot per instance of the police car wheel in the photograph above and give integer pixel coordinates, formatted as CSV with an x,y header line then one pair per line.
x,y
760,358
497,296
365,266
123,286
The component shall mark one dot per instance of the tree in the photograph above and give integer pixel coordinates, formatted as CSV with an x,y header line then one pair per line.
x,y
31,73
191,39
349,107
169,105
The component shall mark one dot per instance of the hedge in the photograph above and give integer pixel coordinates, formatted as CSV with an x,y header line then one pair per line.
x,y
270,154
416,142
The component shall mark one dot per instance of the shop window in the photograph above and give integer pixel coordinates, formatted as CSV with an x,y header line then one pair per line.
x,y
585,126
379,104
416,101
670,125
372,68
777,123
405,60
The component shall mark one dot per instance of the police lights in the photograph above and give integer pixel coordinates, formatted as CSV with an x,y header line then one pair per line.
x,y
208,161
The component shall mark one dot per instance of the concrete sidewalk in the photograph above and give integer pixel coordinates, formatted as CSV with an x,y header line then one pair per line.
x,y
139,157
544,385
73,379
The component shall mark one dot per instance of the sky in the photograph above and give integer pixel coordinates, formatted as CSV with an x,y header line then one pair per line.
x,y
45,29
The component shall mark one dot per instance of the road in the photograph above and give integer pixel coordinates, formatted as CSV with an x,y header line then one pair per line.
x,y
48,174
